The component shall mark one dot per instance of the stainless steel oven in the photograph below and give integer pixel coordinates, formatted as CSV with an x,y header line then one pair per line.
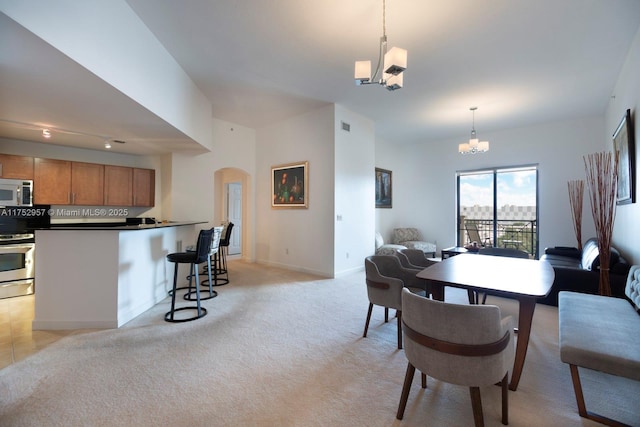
x,y
17,265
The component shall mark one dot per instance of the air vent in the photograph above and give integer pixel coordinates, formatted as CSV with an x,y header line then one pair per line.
x,y
346,126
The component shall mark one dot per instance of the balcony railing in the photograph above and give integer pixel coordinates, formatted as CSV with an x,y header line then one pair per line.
x,y
517,234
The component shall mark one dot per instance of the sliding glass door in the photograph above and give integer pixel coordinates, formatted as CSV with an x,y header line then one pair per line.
x,y
499,207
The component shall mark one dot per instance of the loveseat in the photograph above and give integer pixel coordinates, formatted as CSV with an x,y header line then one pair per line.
x,y
580,271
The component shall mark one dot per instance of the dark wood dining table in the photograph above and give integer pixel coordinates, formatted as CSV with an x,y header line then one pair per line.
x,y
524,280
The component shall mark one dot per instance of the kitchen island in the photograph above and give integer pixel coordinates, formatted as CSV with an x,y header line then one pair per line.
x,y
103,276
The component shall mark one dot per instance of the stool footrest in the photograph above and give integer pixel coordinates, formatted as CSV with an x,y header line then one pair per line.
x,y
169,315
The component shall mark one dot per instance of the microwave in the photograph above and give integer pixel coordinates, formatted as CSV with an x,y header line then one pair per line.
x,y
16,192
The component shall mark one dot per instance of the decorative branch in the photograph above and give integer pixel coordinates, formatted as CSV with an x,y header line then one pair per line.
x,y
576,198
602,181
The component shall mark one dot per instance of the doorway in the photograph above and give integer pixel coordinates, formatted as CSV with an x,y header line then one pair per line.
x,y
234,215
499,207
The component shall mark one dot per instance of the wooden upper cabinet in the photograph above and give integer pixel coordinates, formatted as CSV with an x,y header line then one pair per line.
x,y
118,186
144,187
16,167
87,184
52,182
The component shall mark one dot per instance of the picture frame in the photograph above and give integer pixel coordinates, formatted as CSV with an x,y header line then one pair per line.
x,y
624,145
290,186
384,188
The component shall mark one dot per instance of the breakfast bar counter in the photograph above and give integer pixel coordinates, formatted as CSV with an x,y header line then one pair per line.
x,y
103,276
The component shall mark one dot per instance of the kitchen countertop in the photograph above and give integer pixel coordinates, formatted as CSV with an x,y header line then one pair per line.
x,y
119,226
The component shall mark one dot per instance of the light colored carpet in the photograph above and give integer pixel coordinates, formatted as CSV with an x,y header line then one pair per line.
x,y
281,348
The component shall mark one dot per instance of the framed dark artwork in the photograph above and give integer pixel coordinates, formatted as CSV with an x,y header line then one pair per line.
x,y
290,185
624,145
383,188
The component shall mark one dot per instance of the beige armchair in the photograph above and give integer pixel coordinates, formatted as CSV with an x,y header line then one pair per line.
x,y
460,344
385,279
411,238
383,248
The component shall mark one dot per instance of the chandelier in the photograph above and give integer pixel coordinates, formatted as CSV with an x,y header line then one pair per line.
x,y
394,63
473,146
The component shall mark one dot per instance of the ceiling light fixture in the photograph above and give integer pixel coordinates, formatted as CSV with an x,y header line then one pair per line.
x,y
48,131
394,63
473,146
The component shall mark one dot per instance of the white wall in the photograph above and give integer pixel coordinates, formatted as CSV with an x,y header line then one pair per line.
x,y
424,178
192,184
297,239
354,191
626,233
386,219
98,35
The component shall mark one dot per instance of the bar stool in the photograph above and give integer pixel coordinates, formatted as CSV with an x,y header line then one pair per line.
x,y
213,253
221,264
200,255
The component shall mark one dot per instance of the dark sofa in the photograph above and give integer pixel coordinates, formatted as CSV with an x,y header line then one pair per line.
x,y
580,271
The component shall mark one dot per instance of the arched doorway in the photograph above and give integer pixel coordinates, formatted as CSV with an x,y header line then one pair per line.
x,y
231,199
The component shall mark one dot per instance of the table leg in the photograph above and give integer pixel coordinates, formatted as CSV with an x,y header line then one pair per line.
x,y
525,319
437,291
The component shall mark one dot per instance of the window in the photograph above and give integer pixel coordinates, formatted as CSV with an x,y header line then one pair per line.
x,y
499,207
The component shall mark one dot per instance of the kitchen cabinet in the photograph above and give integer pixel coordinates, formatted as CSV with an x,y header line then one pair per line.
x,y
87,184
52,182
62,182
118,186
16,167
144,187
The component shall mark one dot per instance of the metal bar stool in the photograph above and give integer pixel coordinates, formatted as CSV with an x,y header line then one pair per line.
x,y
213,253
220,261
200,255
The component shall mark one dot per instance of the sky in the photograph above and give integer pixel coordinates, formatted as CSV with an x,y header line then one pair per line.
x,y
516,188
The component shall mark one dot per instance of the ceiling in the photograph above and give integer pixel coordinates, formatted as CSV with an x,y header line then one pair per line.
x,y
520,62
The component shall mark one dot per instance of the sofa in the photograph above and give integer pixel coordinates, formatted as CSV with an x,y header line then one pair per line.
x,y
411,239
579,271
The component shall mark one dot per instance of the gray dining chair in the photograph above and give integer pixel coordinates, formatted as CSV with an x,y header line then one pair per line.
x,y
385,278
414,258
461,344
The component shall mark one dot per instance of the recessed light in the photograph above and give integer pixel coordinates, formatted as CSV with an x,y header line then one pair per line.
x,y
46,133
107,145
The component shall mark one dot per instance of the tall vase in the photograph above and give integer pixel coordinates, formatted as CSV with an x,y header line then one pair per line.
x,y
604,288
602,179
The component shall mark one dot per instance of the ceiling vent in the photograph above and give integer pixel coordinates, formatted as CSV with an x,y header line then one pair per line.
x,y
346,126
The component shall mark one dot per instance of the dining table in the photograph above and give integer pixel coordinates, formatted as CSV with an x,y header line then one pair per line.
x,y
524,280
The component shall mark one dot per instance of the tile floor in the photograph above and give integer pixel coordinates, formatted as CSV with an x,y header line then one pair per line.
x,y
17,340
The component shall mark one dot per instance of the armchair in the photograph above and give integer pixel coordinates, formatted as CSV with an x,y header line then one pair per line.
x,y
411,238
385,248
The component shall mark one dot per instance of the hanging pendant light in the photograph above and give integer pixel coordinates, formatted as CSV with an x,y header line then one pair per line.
x,y
393,61
474,145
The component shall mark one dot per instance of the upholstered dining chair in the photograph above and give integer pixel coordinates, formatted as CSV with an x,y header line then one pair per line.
x,y
470,345
414,258
385,279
